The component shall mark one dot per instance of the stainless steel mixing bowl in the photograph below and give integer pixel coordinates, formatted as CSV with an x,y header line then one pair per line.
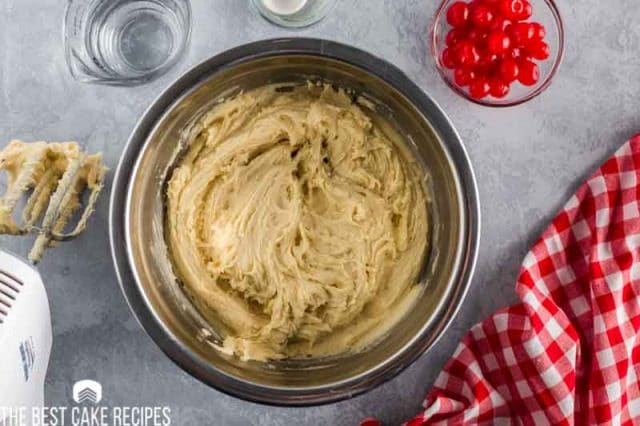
x,y
136,221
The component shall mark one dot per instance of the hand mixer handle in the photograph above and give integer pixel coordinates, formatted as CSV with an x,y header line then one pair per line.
x,y
25,334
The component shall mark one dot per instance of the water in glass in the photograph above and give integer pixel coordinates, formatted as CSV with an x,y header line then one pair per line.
x,y
125,41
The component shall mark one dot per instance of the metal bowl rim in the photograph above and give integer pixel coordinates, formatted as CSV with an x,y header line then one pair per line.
x,y
194,77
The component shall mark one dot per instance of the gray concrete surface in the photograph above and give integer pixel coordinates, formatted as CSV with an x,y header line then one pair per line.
x,y
527,159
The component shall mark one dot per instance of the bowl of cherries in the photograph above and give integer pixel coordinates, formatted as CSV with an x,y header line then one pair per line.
x,y
497,52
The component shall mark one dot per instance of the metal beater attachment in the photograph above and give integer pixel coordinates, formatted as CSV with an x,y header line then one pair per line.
x,y
52,177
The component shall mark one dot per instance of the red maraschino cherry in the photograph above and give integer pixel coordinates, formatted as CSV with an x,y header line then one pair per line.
x,y
498,42
458,14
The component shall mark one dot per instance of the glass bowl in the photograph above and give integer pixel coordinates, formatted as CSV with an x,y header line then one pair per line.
x,y
544,12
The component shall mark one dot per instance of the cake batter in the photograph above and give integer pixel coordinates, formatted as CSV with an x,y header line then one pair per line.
x,y
297,221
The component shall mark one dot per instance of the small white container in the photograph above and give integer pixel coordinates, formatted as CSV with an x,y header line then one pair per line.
x,y
294,13
284,7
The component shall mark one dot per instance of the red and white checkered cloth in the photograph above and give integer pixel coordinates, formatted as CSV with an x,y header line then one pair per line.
x,y
570,352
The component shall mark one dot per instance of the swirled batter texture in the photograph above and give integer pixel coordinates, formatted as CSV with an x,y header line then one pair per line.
x,y
297,222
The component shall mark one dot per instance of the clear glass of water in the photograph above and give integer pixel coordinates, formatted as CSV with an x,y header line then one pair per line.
x,y
125,42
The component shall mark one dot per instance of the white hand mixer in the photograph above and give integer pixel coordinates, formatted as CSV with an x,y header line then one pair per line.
x,y
25,334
